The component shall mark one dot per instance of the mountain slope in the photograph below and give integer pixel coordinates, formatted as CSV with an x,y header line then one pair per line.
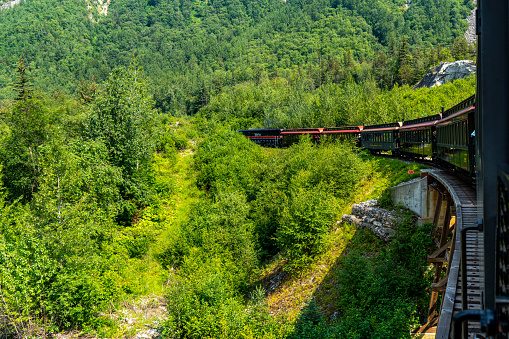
x,y
191,50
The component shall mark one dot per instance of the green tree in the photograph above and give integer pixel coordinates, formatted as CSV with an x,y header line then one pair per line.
x,y
121,119
460,48
403,69
23,85
29,124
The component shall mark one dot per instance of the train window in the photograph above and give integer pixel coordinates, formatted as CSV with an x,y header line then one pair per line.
x,y
464,133
460,134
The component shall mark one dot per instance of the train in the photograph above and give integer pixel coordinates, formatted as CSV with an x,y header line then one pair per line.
x,y
446,140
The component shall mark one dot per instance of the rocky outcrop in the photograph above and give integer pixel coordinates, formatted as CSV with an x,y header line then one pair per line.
x,y
447,71
368,215
10,4
470,35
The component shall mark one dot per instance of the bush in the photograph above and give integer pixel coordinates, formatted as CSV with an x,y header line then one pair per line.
x,y
372,302
305,223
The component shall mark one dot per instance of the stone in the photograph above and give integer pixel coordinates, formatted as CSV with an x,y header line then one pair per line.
x,y
470,35
367,215
446,72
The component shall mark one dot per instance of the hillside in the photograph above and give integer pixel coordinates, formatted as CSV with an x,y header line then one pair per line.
x,y
192,51
129,205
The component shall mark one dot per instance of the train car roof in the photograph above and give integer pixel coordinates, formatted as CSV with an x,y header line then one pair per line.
x,y
300,131
452,116
382,127
467,103
421,122
343,129
259,130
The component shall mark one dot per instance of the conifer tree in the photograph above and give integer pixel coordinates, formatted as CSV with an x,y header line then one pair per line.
x,y
28,121
402,70
22,85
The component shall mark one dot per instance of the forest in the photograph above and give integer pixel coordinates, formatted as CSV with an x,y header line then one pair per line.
x,y
125,186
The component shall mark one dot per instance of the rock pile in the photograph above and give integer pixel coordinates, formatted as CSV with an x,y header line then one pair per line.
x,y
447,71
368,215
470,35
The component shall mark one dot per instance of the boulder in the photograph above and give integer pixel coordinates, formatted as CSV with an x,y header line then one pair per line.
x,y
368,215
447,71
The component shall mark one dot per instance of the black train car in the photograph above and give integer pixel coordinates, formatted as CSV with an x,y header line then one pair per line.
x,y
382,137
343,133
264,137
291,136
416,137
455,139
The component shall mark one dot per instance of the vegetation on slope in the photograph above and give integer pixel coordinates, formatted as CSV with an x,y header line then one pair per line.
x,y
104,199
192,51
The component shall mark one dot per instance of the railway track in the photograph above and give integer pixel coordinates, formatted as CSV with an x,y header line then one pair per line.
x,y
465,204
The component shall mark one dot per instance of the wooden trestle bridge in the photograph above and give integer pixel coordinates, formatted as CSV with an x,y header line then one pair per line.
x,y
454,210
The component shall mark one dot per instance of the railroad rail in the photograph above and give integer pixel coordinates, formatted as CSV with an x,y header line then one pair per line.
x,y
455,211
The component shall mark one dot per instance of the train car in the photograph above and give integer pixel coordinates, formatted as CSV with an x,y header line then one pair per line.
x,y
343,133
264,137
417,137
382,137
456,139
291,136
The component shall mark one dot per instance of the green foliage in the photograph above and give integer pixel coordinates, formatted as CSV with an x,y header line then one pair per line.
x,y
228,159
29,123
121,120
193,51
22,86
83,198
204,306
281,105
373,303
46,281
304,224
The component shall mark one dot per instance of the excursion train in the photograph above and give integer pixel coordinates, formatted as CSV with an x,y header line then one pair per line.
x,y
446,139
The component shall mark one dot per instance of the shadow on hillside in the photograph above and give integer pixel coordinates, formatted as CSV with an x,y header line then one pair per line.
x,y
322,311
374,283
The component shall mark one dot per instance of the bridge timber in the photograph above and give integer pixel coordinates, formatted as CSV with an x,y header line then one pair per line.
x,y
455,209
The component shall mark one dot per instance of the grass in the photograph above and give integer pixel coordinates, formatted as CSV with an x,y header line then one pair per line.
x,y
144,312
292,293
317,282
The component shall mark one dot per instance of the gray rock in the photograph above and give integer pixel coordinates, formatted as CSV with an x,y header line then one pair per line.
x,y
470,35
367,215
447,71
